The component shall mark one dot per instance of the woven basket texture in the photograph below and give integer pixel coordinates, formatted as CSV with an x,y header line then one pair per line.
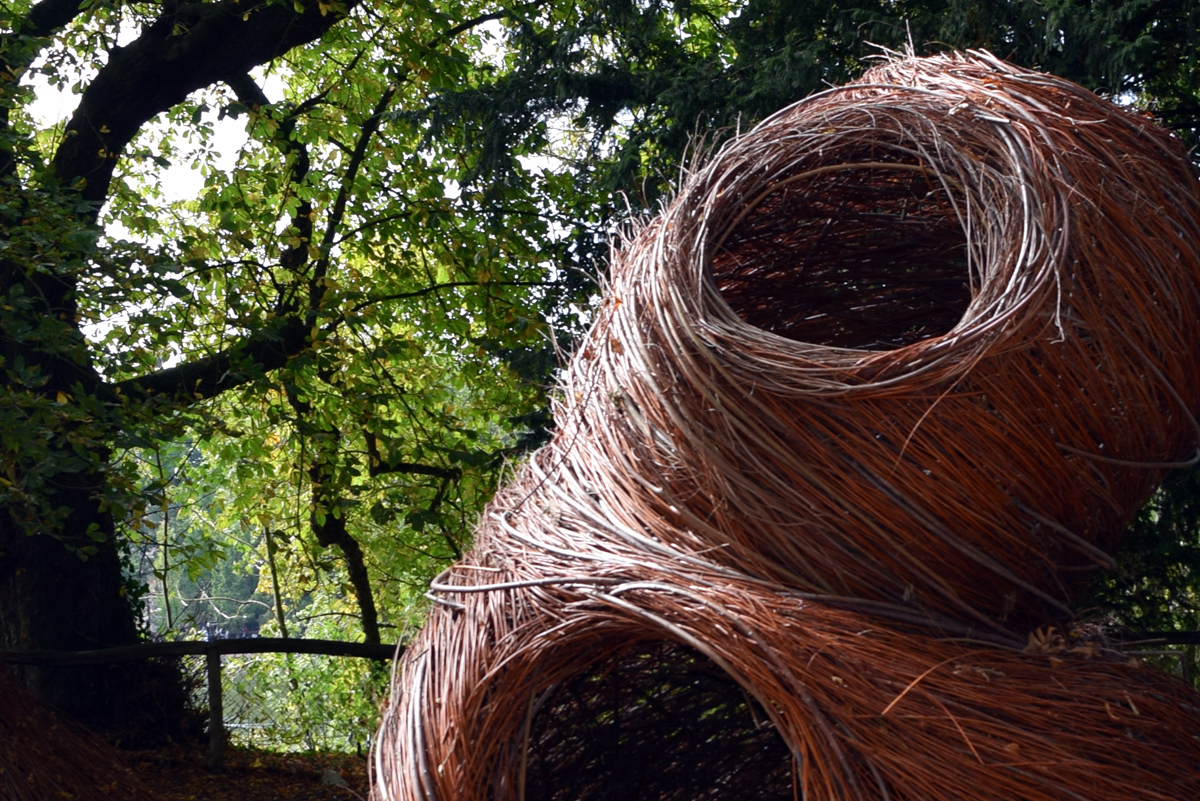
x,y
860,414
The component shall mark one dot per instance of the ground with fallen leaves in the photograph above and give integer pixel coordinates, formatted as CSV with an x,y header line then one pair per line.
x,y
45,756
178,774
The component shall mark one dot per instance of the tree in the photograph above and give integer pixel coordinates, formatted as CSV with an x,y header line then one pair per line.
x,y
350,329
62,411
268,287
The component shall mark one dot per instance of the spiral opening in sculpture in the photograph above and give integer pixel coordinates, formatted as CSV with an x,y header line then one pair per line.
x,y
663,724
857,409
866,255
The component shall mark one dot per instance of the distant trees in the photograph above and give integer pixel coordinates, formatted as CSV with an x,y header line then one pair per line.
x,y
315,365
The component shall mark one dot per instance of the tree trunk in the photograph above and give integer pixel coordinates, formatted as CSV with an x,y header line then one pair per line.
x,y
52,599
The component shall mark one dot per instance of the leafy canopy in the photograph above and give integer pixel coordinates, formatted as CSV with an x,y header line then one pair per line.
x,y
282,295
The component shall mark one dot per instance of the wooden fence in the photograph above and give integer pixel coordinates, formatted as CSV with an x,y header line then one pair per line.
x,y
212,650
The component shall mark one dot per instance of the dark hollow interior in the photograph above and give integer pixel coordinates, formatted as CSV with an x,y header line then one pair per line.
x,y
661,723
867,258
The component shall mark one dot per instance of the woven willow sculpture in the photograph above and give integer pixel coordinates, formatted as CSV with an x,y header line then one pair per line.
x,y
861,410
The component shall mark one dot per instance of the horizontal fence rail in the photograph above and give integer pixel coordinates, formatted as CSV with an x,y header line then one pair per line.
x,y
233,645
212,650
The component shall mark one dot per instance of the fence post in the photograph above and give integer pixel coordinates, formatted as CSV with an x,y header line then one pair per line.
x,y
216,714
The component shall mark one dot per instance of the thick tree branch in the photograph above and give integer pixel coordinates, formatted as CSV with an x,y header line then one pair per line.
x,y
378,466
414,468
433,505
429,290
205,377
327,519
317,287
50,15
294,257
369,128
333,531
42,20
199,44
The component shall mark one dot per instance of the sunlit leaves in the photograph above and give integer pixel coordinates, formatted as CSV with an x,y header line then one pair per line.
x,y
421,193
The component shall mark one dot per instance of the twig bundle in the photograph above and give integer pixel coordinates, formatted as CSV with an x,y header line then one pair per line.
x,y
861,406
